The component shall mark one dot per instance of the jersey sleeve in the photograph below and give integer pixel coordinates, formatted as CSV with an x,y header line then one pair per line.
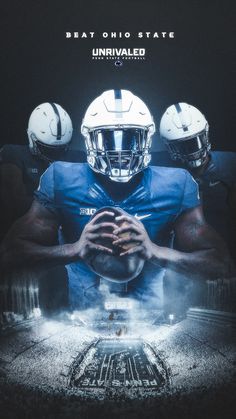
x,y
9,155
191,196
45,194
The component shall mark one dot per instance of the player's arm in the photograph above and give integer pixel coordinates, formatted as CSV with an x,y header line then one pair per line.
x,y
200,248
32,241
14,197
200,251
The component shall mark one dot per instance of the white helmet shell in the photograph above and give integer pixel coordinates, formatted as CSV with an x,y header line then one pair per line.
x,y
181,121
117,107
124,114
49,125
184,130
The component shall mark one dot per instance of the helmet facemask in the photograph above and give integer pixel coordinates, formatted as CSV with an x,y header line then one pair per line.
x,y
118,152
184,130
47,152
191,150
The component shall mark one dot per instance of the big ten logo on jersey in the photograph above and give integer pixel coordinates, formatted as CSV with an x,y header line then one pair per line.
x,y
33,170
87,211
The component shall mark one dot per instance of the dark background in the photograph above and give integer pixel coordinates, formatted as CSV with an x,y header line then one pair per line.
x,y
40,65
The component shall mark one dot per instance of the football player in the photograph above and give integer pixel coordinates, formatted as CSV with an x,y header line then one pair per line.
x,y
49,135
185,131
118,130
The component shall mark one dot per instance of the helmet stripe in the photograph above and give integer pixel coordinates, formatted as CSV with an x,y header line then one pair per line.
x,y
179,110
117,94
58,120
118,103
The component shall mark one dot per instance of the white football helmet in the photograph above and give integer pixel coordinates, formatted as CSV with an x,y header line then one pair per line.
x,y
184,129
118,127
49,131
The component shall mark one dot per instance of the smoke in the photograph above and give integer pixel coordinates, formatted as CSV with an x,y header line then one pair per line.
x,y
19,297
119,315
181,292
157,300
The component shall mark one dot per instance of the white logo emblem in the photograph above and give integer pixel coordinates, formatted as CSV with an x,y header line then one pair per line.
x,y
211,183
87,211
141,217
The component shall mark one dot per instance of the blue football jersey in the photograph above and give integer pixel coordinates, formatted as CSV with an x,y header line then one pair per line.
x,y
72,191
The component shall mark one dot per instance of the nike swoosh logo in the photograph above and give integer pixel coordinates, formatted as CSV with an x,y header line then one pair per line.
x,y
214,183
141,217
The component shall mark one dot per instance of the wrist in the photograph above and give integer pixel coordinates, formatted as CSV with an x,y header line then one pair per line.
x,y
72,252
155,254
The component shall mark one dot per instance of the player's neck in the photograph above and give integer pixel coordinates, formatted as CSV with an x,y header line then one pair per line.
x,y
119,190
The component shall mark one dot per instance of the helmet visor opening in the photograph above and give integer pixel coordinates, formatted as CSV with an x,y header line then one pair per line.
x,y
51,152
189,146
125,139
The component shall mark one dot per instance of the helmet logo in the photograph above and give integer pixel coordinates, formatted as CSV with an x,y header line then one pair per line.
x,y
58,120
180,113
